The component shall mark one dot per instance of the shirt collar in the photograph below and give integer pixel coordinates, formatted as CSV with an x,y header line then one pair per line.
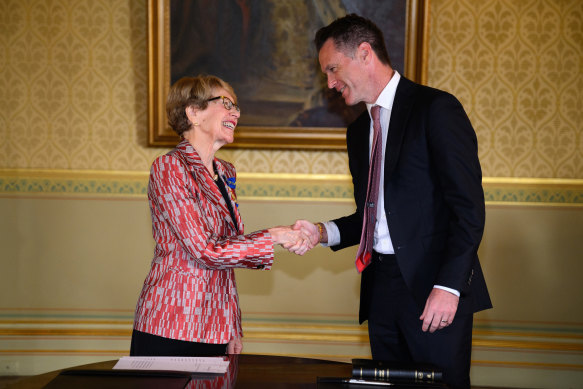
x,y
387,96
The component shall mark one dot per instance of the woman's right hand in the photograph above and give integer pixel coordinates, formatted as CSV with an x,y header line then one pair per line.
x,y
296,241
235,346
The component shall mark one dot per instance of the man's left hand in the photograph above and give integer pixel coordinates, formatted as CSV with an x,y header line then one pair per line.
x,y
439,310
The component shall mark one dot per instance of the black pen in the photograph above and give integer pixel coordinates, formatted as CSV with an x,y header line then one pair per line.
x,y
338,380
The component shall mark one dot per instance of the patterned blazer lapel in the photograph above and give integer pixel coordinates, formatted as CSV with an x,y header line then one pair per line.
x,y
230,186
207,186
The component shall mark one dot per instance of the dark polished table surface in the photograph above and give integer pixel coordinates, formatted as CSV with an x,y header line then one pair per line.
x,y
245,371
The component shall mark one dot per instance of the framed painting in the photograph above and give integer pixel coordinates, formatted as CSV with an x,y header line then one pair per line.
x,y
265,50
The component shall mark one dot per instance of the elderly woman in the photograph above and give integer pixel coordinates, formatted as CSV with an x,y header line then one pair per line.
x,y
189,304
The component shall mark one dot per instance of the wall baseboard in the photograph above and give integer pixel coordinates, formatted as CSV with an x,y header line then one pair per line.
x,y
39,340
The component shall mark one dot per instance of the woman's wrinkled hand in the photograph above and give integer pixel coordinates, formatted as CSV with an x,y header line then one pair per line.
x,y
235,346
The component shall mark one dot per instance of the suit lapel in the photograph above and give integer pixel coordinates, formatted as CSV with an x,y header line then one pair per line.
x,y
359,152
402,105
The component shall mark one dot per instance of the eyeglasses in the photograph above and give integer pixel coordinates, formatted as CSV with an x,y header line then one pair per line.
x,y
226,102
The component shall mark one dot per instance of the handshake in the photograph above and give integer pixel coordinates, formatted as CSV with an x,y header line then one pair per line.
x,y
300,237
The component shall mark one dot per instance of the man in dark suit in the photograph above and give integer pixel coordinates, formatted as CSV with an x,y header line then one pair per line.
x,y
424,282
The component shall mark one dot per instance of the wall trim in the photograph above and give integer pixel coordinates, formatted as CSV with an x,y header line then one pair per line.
x,y
128,185
61,337
314,337
292,326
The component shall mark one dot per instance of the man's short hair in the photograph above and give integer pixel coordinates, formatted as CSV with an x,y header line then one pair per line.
x,y
349,32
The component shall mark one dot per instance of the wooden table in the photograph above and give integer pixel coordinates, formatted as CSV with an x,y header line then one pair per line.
x,y
245,371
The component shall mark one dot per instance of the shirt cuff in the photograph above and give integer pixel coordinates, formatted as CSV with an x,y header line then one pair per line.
x,y
450,290
333,234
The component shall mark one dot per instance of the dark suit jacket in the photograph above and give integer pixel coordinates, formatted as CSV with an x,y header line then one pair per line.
x,y
434,201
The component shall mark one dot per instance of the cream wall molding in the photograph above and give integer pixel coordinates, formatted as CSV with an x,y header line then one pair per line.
x,y
90,184
105,333
72,183
528,365
63,352
289,326
291,334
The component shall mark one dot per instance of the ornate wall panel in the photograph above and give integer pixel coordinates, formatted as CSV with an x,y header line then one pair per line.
x,y
73,87
517,66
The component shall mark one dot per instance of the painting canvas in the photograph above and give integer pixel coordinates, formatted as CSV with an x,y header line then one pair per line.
x,y
265,50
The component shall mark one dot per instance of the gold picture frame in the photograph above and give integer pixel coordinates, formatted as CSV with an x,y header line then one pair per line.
x,y
264,137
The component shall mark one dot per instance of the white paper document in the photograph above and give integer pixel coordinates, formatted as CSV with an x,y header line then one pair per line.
x,y
190,364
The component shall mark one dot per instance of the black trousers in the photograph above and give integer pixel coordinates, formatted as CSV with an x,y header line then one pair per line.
x,y
395,329
144,344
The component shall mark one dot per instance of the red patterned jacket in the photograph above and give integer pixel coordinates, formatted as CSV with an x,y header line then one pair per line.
x,y
190,292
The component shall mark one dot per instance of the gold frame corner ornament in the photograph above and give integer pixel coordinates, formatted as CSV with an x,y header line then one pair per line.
x,y
284,138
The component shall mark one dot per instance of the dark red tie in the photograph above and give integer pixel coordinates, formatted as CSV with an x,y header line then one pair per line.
x,y
364,253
